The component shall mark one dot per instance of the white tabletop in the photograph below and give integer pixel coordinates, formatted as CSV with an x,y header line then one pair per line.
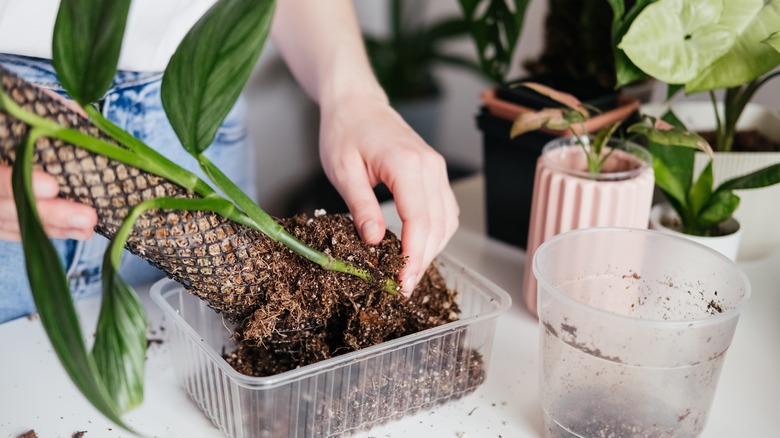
x,y
36,394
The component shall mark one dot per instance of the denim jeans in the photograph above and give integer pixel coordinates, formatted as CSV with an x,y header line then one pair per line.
x,y
134,104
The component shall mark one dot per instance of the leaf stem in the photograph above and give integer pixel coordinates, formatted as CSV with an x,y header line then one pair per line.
x,y
266,224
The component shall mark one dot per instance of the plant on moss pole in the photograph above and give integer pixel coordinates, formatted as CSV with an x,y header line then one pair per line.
x,y
200,85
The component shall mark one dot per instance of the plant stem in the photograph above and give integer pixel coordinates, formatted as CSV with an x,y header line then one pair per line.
x,y
267,225
163,165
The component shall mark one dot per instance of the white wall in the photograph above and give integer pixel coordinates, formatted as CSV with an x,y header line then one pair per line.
x,y
284,122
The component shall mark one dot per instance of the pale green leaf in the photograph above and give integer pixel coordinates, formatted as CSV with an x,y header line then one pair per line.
x,y
672,40
748,57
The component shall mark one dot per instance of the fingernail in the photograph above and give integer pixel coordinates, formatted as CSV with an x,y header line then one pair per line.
x,y
80,222
371,230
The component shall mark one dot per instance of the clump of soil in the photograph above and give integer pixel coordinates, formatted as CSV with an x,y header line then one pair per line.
x,y
311,314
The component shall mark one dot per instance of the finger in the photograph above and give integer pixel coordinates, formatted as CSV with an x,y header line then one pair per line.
x,y
411,203
44,185
60,218
352,183
429,213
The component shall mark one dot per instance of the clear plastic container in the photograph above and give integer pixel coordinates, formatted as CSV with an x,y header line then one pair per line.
x,y
634,328
343,394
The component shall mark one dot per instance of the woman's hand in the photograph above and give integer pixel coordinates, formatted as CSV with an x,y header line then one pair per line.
x,y
363,142
61,218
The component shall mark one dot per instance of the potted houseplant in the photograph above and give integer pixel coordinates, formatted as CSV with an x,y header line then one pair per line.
x,y
509,162
727,50
219,246
582,181
697,207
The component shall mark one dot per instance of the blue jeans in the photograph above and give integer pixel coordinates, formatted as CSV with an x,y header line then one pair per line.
x,y
134,104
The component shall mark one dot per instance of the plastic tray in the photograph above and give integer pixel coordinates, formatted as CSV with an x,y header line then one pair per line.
x,y
343,394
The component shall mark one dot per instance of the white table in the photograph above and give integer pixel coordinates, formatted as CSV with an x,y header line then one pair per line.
x,y
36,393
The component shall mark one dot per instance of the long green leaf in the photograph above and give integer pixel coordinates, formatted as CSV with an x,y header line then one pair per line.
x,y
701,190
119,351
50,290
721,206
206,74
85,49
761,178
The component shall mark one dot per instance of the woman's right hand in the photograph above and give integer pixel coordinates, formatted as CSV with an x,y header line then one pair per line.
x,y
61,218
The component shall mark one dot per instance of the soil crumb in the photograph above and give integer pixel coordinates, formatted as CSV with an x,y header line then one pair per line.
x,y
29,434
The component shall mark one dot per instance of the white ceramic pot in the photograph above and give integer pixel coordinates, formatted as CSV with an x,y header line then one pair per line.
x,y
759,208
727,245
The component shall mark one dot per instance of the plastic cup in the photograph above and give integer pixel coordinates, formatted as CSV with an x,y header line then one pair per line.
x,y
634,327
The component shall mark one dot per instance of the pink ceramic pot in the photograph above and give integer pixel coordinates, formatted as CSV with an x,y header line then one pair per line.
x,y
566,197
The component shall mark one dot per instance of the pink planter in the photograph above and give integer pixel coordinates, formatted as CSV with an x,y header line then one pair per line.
x,y
566,197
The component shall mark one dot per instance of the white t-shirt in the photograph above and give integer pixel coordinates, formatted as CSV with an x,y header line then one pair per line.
x,y
154,29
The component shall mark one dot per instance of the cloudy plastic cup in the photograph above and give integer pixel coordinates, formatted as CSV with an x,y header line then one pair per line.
x,y
634,327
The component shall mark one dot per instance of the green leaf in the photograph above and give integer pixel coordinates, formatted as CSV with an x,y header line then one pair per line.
x,y
721,207
209,69
747,57
120,345
760,178
496,31
672,137
674,40
701,190
552,118
603,137
85,48
51,292
773,41
625,70
666,179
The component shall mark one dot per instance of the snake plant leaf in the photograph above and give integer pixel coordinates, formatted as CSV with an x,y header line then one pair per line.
x,y
210,67
760,178
720,207
119,351
754,21
674,40
701,190
85,49
51,293
666,179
